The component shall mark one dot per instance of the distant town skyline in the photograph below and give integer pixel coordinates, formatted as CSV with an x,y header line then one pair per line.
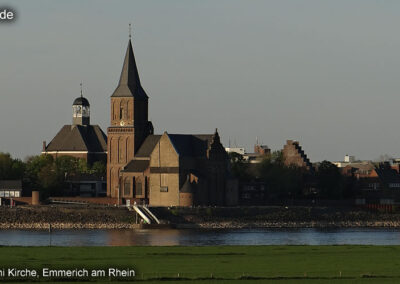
x,y
323,73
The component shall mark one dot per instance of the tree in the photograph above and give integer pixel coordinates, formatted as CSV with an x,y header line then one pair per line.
x,y
34,165
238,166
330,181
282,181
99,169
10,168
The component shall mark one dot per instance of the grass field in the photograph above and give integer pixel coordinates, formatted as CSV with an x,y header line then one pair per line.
x,y
222,264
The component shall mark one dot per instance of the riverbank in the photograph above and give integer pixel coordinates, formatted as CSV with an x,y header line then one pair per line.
x,y
214,264
100,217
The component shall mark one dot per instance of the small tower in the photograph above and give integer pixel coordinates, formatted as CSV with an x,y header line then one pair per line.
x,y
81,111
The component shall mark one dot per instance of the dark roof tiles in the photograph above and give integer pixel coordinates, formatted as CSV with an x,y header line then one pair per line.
x,y
136,166
191,145
79,138
11,184
81,101
148,146
129,82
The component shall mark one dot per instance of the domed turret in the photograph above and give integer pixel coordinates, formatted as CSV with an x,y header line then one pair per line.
x,y
81,111
81,101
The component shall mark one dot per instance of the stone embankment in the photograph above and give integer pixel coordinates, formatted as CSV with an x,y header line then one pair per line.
x,y
66,217
100,217
314,224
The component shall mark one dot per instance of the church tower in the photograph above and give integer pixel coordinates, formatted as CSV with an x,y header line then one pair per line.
x,y
129,122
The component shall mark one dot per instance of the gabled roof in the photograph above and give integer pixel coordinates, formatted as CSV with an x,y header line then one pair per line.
x,y
11,184
148,146
186,145
189,145
387,174
129,82
136,166
79,138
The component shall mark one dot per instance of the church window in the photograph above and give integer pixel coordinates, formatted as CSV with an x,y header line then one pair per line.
x,y
127,187
139,190
123,110
164,183
146,186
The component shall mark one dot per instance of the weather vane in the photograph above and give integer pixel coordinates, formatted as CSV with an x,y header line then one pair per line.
x,y
130,31
81,90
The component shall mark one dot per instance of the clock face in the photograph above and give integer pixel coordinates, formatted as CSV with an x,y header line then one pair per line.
x,y
122,123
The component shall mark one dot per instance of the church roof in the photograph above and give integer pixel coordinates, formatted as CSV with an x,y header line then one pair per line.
x,y
136,166
186,145
81,101
129,82
79,138
191,145
148,146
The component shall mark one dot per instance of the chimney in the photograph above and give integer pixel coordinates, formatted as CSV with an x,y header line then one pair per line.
x,y
44,146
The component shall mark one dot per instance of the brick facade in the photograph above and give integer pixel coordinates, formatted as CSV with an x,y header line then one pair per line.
x,y
293,154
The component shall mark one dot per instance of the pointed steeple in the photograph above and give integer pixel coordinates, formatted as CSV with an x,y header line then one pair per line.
x,y
129,82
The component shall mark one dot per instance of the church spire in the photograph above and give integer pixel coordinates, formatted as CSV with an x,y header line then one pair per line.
x,y
129,82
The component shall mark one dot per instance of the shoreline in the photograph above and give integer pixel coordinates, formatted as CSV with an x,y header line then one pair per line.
x,y
92,217
201,226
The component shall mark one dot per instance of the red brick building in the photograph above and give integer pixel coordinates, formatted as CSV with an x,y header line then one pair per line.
x,y
79,139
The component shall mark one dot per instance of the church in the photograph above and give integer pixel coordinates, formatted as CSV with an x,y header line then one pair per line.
x,y
80,139
159,170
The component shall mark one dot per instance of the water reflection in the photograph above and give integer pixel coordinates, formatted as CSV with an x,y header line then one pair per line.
x,y
143,237
380,236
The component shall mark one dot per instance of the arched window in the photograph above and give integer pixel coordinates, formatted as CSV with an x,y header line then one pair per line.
x,y
134,187
127,187
139,190
114,114
123,110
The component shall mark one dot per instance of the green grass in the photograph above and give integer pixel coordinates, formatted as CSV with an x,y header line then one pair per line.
x,y
222,264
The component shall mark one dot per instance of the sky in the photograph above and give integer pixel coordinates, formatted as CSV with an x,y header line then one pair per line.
x,y
325,73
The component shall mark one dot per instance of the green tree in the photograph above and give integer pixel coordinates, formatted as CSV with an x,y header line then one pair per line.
x,y
10,168
330,181
99,169
282,181
239,167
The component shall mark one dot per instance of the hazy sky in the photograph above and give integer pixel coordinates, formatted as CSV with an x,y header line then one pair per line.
x,y
325,73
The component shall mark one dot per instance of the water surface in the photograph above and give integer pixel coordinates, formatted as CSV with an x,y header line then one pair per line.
x,y
185,237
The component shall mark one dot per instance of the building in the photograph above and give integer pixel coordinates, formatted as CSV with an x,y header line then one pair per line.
x,y
10,188
358,170
260,153
349,161
86,186
293,154
237,150
161,170
383,177
381,186
79,139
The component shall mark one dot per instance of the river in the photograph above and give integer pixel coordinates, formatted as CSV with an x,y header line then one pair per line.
x,y
186,237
